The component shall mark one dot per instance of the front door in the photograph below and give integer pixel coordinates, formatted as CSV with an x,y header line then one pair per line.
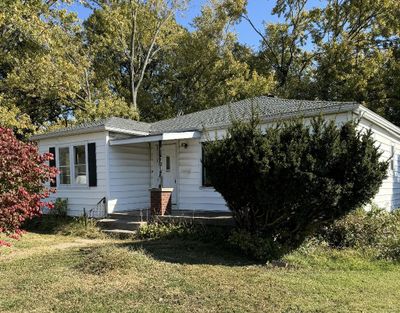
x,y
169,168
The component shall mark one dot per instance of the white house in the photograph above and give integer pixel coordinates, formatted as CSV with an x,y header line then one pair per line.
x,y
121,159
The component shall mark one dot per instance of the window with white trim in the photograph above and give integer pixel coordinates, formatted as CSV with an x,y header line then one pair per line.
x,y
64,165
80,171
72,163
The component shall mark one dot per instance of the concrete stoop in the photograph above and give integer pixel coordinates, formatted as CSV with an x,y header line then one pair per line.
x,y
127,223
122,223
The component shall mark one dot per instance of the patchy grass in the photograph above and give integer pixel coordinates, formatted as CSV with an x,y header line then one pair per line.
x,y
54,273
68,226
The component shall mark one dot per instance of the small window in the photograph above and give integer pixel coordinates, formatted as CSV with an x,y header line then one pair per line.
x,y
206,182
80,165
64,166
168,163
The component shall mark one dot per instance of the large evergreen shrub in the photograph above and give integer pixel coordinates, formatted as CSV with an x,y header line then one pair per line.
x,y
287,182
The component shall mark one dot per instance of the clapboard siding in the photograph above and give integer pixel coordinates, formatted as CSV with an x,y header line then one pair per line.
x,y
81,197
129,177
191,194
388,196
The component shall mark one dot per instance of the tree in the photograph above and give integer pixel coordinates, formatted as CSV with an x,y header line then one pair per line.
x,y
293,179
42,64
282,44
203,69
23,173
340,50
127,36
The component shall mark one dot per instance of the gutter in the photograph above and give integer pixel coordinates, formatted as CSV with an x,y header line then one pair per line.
x,y
80,131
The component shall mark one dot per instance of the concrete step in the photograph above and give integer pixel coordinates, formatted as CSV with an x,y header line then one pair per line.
x,y
202,220
118,232
131,215
120,224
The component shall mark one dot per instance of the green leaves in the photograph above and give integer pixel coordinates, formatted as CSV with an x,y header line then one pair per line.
x,y
293,179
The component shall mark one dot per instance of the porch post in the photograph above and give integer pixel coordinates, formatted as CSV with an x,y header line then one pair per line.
x,y
160,165
160,198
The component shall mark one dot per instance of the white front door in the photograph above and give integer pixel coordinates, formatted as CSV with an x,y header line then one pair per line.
x,y
169,168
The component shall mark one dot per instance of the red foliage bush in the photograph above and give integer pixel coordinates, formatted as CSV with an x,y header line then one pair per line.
x,y
23,174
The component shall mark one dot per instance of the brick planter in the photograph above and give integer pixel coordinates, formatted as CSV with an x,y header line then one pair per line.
x,y
160,201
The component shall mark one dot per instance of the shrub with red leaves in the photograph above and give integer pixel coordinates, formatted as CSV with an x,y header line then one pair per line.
x,y
23,174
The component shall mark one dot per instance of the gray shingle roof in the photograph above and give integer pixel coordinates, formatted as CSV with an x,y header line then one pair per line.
x,y
112,123
267,107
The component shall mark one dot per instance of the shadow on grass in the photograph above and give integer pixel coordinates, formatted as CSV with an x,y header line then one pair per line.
x,y
48,224
201,247
189,251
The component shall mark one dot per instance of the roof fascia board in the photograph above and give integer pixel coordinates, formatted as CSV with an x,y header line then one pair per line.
x,y
153,138
121,142
124,131
79,131
68,133
371,116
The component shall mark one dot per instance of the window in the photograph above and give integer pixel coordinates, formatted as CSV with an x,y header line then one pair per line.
x,y
168,163
80,165
205,179
72,165
64,166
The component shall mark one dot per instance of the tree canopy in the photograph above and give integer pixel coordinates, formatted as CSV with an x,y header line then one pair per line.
x,y
133,59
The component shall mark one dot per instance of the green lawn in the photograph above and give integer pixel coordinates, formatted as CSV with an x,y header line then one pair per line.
x,y
49,273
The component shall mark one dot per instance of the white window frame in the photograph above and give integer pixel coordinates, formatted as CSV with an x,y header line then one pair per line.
x,y
72,164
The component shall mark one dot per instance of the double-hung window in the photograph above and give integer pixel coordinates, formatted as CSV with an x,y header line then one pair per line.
x,y
80,171
72,163
64,166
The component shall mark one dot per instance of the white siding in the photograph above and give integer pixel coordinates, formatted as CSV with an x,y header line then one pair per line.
x,y
388,196
191,194
80,197
129,177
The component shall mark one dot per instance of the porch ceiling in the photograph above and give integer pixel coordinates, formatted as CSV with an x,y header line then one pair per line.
x,y
154,138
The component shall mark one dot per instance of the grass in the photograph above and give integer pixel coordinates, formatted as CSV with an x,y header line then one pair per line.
x,y
58,273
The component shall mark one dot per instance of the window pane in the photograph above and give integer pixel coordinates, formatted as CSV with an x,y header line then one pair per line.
x,y
65,175
206,179
64,156
80,164
168,163
80,157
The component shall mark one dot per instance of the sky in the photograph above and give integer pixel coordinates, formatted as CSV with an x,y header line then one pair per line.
x,y
259,12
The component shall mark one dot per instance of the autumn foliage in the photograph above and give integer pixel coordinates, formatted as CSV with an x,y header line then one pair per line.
x,y
23,174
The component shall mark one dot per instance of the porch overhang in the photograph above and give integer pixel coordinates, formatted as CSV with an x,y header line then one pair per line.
x,y
157,138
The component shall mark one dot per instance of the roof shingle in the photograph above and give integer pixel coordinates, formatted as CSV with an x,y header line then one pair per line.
x,y
267,107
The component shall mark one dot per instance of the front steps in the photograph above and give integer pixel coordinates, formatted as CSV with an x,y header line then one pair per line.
x,y
128,222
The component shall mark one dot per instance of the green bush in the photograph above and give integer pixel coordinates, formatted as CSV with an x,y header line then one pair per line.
x,y
162,230
60,207
286,183
377,229
81,227
390,250
189,231
255,246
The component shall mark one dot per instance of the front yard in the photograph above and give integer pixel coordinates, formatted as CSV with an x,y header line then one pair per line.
x,y
47,273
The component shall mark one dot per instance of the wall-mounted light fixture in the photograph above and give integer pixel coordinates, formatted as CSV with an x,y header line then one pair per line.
x,y
184,145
